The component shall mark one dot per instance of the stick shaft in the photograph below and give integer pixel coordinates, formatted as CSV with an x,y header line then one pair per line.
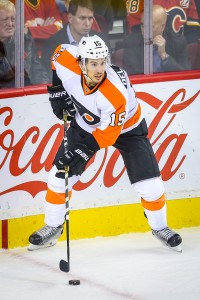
x,y
66,188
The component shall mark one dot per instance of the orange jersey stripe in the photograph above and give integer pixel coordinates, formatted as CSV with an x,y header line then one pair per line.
x,y
134,119
56,198
114,96
66,59
154,205
108,136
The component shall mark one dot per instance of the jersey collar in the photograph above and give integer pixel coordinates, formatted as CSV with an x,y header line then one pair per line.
x,y
86,89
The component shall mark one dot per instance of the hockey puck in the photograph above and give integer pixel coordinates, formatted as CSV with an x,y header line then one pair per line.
x,y
74,282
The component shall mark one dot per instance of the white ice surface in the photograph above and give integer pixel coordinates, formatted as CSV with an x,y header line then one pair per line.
x,y
132,266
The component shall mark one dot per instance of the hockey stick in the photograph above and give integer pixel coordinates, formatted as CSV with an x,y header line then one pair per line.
x,y
65,265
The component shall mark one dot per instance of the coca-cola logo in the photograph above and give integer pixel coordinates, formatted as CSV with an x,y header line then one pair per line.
x,y
12,150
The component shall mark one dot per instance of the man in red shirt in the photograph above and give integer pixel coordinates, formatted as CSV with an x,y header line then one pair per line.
x,y
42,18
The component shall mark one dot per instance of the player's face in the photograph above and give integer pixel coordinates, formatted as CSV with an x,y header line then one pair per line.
x,y
81,23
7,24
95,70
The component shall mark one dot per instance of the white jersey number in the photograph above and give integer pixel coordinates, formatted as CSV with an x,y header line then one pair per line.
x,y
117,120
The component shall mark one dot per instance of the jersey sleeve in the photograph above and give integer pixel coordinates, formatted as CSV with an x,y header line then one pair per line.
x,y
64,62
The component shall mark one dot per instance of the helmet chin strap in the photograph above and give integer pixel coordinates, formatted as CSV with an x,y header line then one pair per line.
x,y
85,71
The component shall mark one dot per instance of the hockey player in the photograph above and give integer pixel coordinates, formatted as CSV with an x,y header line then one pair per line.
x,y
107,113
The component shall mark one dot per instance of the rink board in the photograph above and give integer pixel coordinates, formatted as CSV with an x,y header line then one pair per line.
x,y
107,221
103,201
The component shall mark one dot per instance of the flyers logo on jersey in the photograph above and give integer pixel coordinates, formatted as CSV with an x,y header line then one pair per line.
x,y
87,115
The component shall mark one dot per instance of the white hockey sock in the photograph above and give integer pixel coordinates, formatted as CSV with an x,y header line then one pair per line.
x,y
157,219
54,214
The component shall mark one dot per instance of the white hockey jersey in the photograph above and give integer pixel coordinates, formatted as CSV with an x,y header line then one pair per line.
x,y
106,111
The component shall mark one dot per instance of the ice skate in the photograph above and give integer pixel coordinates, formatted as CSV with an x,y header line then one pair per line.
x,y
45,237
169,238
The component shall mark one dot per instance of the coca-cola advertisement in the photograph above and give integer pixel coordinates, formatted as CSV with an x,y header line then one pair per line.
x,y
30,135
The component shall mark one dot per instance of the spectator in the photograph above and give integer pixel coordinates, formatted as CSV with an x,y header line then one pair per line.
x,y
64,7
182,16
169,48
134,11
34,71
7,75
80,22
42,17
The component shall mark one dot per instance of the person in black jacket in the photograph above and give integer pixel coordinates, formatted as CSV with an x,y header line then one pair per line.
x,y
169,48
7,75
80,15
34,72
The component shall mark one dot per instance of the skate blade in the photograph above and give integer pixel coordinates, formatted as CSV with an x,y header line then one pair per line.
x,y
177,248
32,247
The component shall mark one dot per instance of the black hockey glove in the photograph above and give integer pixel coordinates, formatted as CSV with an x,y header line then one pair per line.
x,y
60,100
76,159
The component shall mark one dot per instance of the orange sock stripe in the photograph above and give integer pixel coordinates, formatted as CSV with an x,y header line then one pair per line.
x,y
154,205
70,194
56,198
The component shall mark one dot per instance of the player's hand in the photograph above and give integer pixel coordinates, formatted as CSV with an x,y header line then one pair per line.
x,y
60,100
76,159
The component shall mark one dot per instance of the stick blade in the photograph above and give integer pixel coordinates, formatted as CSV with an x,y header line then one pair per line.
x,y
64,266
